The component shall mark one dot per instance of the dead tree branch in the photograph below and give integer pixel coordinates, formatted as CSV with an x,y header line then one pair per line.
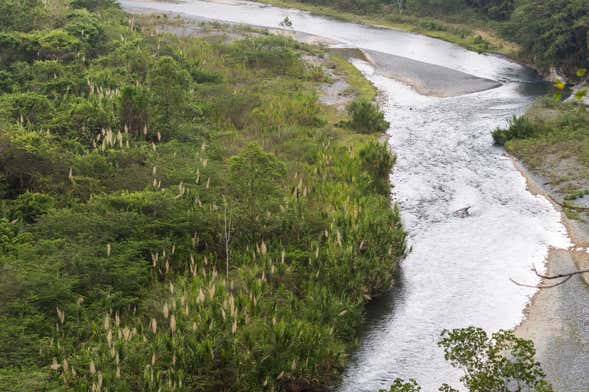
x,y
565,278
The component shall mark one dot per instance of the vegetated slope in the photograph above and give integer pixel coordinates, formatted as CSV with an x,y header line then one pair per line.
x,y
549,33
552,139
178,213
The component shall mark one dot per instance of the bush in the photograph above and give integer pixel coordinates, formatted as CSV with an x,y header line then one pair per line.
x,y
29,107
134,104
30,206
366,118
518,128
377,161
58,45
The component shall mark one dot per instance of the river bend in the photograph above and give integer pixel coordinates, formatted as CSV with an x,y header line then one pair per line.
x,y
457,273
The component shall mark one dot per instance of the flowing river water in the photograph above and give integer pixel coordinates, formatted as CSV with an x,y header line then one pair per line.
x,y
457,272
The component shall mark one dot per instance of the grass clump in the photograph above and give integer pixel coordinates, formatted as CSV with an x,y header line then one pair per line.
x,y
518,128
366,117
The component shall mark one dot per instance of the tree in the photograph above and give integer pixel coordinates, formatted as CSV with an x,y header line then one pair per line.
x,y
401,386
168,82
255,179
366,118
501,362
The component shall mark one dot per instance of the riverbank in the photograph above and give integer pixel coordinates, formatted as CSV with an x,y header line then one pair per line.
x,y
469,37
552,145
556,318
428,79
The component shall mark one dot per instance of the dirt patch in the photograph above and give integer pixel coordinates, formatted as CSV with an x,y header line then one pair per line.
x,y
335,91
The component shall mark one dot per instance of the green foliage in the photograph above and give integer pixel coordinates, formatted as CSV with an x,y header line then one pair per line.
x,y
494,9
366,118
273,53
29,108
401,386
21,15
167,81
552,32
58,45
255,178
135,167
134,104
518,128
500,362
378,162
30,206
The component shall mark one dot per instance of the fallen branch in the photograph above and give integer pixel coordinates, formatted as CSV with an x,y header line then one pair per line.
x,y
567,205
565,278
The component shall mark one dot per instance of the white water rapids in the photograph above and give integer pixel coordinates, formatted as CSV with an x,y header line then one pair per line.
x,y
457,273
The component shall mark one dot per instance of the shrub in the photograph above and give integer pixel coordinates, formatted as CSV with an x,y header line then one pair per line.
x,y
366,118
29,107
255,180
518,128
29,206
58,45
88,118
6,82
134,107
377,161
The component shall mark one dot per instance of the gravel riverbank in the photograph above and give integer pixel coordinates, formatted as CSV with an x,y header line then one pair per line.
x,y
428,79
557,319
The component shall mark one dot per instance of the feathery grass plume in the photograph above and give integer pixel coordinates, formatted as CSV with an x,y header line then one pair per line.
x,y
54,364
92,367
173,323
106,322
166,310
60,315
126,334
153,326
108,249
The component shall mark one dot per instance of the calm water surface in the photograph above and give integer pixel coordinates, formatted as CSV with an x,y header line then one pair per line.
x,y
458,270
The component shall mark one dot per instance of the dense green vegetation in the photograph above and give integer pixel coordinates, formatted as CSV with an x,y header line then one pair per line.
x,y
548,32
177,213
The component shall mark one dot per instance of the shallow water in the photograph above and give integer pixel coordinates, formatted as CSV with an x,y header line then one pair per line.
x,y
458,270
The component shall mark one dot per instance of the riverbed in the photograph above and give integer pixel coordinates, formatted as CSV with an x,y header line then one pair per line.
x,y
460,264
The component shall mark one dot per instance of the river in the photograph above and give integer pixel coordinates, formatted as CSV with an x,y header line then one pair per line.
x,y
457,272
